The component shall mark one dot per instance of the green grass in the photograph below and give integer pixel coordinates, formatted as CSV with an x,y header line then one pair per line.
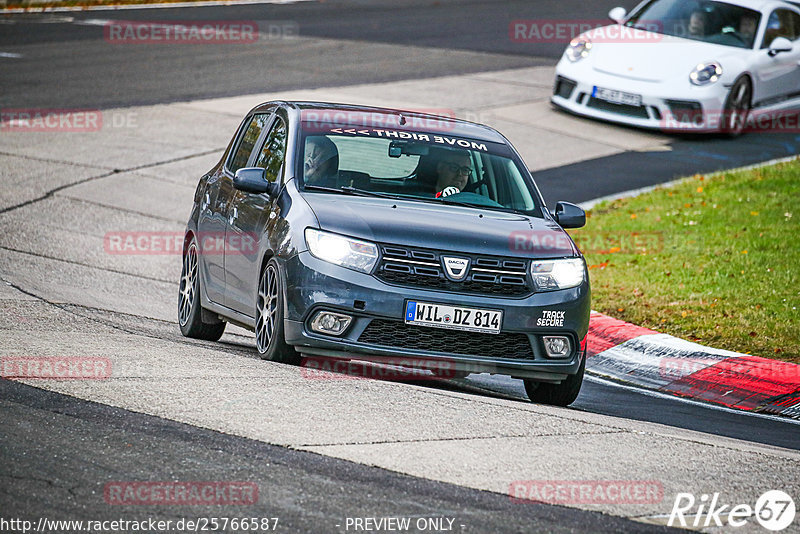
x,y
714,259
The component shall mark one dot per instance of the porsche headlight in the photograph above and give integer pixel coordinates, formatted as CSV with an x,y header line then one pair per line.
x,y
706,73
340,250
578,49
558,274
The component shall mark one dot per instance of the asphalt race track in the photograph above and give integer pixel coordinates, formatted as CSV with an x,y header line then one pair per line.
x,y
321,451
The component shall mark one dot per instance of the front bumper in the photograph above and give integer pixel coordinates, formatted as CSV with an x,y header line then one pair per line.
x,y
313,284
689,109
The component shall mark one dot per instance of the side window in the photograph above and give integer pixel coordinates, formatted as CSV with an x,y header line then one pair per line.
x,y
247,142
795,18
271,157
781,23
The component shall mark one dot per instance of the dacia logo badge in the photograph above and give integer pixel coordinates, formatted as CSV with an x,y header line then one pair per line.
x,y
456,268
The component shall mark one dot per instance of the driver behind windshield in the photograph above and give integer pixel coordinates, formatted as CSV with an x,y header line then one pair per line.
x,y
453,172
321,162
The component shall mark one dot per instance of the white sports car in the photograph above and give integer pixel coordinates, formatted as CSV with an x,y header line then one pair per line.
x,y
685,65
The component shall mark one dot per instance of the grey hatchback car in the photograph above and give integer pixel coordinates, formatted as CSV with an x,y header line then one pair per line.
x,y
379,235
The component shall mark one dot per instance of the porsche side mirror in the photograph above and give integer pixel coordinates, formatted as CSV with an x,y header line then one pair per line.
x,y
254,180
569,215
617,14
778,45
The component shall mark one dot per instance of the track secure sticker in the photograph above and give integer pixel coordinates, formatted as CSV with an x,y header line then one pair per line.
x,y
551,318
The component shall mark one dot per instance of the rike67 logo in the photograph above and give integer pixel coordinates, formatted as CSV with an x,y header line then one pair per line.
x,y
774,510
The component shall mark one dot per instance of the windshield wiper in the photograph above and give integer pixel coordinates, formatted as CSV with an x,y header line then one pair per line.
x,y
321,188
445,200
347,190
365,193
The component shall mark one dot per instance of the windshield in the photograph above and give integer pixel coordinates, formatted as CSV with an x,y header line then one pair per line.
x,y
711,22
416,166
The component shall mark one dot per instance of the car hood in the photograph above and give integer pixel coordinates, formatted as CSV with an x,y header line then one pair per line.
x,y
659,59
445,227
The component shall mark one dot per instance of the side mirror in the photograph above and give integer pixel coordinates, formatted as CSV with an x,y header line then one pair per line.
x,y
617,14
569,215
254,180
778,45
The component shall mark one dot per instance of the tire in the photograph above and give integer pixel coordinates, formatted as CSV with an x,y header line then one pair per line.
x,y
190,311
562,394
270,338
737,107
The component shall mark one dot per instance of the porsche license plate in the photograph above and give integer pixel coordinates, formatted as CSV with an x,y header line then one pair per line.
x,y
616,97
453,317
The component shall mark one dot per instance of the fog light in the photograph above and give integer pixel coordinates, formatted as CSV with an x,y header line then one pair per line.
x,y
331,323
556,346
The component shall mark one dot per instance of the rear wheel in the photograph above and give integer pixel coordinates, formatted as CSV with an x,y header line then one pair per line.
x,y
562,394
190,312
737,107
270,340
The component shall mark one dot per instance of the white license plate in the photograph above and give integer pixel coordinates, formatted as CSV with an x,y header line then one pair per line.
x,y
617,97
453,317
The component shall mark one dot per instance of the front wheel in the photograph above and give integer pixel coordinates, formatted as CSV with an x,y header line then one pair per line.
x,y
562,394
190,312
270,339
737,108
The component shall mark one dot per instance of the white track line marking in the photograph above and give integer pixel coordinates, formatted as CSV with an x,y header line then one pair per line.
x,y
10,55
660,395
149,6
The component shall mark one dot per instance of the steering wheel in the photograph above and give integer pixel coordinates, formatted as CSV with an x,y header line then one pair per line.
x,y
472,188
733,33
741,38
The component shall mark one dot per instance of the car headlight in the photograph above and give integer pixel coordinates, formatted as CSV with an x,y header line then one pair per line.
x,y
341,250
578,49
706,73
558,274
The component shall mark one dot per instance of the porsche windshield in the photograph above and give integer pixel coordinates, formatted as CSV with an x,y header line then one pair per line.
x,y
426,167
711,22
